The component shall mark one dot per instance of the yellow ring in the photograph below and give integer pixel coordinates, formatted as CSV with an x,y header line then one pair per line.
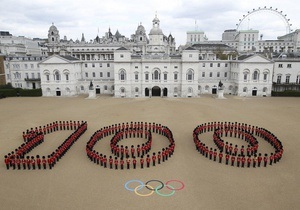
x,y
144,195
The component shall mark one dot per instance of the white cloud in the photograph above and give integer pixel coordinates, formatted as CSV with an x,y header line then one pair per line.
x,y
33,18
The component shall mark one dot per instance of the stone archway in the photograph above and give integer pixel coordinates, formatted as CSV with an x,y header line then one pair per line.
x,y
165,92
146,91
156,91
254,91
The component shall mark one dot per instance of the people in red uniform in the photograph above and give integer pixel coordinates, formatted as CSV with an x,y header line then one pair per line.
x,y
227,158
243,161
153,159
142,161
44,162
148,160
38,161
110,162
220,157
116,163
7,161
134,163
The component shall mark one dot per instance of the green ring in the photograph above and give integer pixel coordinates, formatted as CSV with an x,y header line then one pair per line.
x,y
165,195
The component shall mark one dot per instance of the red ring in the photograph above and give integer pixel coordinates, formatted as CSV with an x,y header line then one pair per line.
x,y
175,180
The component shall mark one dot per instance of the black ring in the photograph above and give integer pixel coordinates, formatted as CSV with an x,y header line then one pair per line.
x,y
154,180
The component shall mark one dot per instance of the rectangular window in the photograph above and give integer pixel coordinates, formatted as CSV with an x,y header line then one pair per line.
x,y
108,74
146,77
211,64
203,65
32,75
108,65
219,64
165,67
26,66
218,74
26,75
165,77
86,74
245,77
265,77
93,65
31,66
146,67
105,87
287,79
121,56
67,77
190,55
136,67
136,77
226,64
85,65
203,74
94,74
289,65
210,74
175,76
101,74
175,67
280,65
47,77
100,64
278,79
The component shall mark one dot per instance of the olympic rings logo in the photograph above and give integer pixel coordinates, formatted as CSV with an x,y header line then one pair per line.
x,y
234,155
159,186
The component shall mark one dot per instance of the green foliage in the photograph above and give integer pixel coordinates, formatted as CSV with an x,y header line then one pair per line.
x,y
15,92
286,93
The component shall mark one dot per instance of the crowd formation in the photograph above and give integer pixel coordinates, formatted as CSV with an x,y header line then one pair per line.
x,y
124,157
234,155
18,159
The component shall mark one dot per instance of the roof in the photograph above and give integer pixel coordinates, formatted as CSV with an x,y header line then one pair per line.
x,y
68,57
190,48
122,48
243,57
210,45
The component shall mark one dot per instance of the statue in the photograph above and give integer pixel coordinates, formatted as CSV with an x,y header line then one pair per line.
x,y
220,85
91,86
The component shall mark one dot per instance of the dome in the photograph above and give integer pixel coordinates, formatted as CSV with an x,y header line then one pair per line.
x,y
155,19
156,31
140,28
53,28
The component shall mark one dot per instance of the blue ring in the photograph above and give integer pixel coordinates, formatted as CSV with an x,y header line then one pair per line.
x,y
133,180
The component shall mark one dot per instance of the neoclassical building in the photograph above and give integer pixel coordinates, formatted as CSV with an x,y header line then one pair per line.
x,y
147,66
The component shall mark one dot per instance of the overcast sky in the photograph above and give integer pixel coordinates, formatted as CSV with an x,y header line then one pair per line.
x,y
32,18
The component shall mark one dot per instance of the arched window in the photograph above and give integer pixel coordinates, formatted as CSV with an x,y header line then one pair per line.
x,y
122,75
175,89
105,87
190,75
156,75
136,89
56,76
190,90
206,87
245,76
255,75
244,89
122,90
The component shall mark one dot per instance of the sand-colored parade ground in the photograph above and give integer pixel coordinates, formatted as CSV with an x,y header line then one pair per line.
x,y
77,183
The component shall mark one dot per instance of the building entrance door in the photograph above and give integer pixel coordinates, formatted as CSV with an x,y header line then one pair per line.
x,y
156,91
